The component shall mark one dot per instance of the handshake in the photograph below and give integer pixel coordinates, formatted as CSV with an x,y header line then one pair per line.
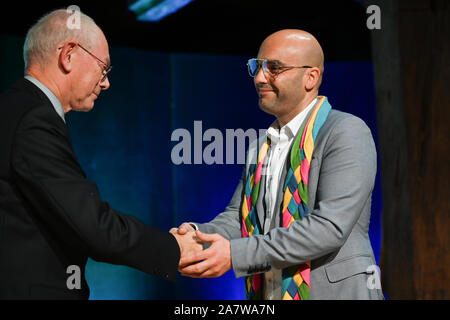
x,y
197,262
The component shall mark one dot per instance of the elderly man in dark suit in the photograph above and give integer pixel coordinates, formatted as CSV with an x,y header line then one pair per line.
x,y
51,217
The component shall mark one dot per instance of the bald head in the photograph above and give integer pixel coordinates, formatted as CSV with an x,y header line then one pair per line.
x,y
298,45
292,75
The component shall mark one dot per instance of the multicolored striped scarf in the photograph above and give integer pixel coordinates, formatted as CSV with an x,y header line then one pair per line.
x,y
296,279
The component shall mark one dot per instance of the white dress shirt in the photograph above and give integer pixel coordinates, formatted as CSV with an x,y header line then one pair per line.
x,y
280,143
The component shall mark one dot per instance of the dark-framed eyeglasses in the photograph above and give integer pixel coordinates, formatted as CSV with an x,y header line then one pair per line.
x,y
107,68
270,67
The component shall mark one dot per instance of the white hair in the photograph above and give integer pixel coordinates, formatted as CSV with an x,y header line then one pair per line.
x,y
43,37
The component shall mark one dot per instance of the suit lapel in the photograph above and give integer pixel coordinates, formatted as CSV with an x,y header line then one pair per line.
x,y
260,203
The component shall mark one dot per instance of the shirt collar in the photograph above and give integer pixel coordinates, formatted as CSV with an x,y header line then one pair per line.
x,y
291,128
50,95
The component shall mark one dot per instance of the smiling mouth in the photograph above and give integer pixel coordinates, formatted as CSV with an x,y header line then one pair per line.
x,y
264,89
262,92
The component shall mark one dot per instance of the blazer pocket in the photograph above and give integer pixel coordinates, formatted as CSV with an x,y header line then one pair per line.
x,y
349,267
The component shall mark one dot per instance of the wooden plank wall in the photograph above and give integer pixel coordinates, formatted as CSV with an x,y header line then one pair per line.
x,y
411,57
425,51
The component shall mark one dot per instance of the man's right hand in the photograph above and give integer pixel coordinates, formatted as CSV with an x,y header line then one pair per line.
x,y
187,241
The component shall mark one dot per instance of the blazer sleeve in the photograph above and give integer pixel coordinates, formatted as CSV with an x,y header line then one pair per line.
x,y
47,175
346,181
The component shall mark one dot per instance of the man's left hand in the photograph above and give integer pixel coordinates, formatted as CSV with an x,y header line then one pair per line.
x,y
211,262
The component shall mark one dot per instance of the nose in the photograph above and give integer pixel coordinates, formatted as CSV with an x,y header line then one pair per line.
x,y
260,77
105,84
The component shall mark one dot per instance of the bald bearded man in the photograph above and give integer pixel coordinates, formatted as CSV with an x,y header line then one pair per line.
x,y
297,225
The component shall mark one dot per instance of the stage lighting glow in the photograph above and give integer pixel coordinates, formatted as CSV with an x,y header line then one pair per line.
x,y
155,10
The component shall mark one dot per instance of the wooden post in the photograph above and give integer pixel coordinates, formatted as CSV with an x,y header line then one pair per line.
x,y
410,55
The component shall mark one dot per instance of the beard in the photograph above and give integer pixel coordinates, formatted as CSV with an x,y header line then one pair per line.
x,y
269,104
267,107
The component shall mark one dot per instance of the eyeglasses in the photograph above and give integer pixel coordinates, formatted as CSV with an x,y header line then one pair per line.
x,y
270,67
107,68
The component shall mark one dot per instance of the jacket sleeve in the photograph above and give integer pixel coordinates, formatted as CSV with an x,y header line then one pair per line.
x,y
346,181
47,175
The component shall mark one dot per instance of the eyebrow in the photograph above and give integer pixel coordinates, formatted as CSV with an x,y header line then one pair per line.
x,y
276,61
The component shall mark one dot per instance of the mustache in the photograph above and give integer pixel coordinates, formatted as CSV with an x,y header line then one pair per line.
x,y
262,86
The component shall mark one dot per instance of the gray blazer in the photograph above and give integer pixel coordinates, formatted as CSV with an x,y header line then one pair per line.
x,y
334,234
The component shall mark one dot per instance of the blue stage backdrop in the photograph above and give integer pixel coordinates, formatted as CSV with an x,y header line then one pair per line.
x,y
124,145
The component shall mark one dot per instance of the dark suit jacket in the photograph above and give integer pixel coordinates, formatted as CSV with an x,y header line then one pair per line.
x,y
52,217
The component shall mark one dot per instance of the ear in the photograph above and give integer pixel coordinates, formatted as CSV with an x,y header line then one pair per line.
x,y
65,56
312,78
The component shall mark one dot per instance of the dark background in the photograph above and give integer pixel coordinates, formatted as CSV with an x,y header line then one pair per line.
x,y
217,27
191,67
